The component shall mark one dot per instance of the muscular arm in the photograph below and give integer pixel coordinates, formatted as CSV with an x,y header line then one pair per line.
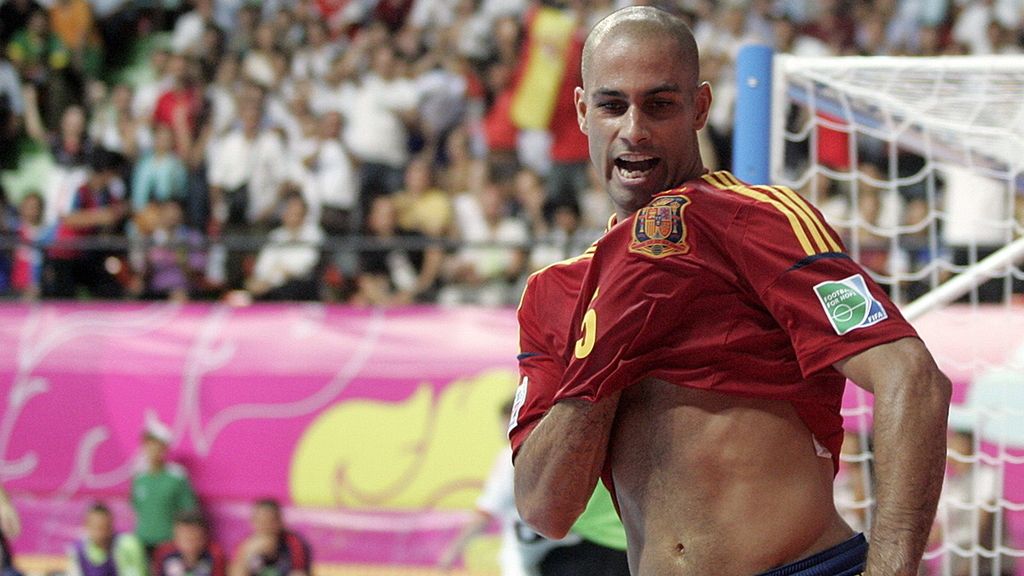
x,y
558,466
911,406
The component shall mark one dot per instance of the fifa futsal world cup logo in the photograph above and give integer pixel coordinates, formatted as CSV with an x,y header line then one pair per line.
x,y
849,304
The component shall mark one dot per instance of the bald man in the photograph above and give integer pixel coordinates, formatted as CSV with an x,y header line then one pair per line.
x,y
713,330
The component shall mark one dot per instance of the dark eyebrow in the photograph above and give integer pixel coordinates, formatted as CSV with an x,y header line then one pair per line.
x,y
610,93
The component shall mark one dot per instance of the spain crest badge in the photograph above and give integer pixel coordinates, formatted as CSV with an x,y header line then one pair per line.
x,y
659,230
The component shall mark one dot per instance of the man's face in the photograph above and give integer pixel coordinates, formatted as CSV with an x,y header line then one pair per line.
x,y
641,108
155,450
266,521
190,540
99,528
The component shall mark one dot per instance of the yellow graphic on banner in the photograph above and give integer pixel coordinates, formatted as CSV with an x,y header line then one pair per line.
x,y
426,451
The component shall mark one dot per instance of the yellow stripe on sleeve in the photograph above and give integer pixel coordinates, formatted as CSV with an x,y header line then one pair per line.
x,y
719,180
809,221
802,205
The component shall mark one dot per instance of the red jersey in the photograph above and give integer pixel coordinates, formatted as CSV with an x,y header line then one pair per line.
x,y
722,286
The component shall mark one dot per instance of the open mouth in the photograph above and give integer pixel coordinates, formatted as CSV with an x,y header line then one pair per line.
x,y
635,166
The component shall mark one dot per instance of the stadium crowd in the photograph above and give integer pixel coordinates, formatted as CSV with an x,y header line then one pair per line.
x,y
365,151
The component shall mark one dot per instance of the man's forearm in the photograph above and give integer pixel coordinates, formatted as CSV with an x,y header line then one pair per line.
x,y
910,440
559,464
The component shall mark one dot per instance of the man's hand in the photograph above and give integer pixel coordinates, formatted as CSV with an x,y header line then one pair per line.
x,y
911,406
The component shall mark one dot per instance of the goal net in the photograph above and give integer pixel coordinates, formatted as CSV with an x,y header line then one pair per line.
x,y
919,164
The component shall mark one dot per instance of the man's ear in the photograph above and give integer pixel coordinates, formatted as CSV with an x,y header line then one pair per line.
x,y
580,99
701,106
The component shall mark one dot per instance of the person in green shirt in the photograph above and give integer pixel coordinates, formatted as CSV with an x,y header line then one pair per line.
x,y
104,552
160,491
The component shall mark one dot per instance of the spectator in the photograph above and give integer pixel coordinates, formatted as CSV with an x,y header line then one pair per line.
x,y
156,79
331,177
567,238
314,60
190,26
424,210
979,220
69,145
245,171
286,266
494,256
97,208
28,255
103,551
272,549
221,95
179,107
43,60
175,258
72,22
382,106
160,175
190,552
258,65
160,491
115,127
386,273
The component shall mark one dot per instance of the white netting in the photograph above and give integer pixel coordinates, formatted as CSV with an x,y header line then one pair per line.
x,y
919,164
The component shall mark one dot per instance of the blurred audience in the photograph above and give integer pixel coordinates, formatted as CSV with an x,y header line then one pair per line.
x,y
224,105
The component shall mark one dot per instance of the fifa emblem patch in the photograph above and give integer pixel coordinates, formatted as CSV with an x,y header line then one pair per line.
x,y
659,230
849,304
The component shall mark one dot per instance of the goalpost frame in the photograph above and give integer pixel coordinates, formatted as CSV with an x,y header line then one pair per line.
x,y
758,156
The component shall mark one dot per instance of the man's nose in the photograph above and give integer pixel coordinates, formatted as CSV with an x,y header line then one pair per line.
x,y
634,126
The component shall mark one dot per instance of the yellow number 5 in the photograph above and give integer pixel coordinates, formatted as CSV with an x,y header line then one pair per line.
x,y
585,344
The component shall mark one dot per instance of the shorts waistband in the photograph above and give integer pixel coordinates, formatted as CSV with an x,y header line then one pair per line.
x,y
844,559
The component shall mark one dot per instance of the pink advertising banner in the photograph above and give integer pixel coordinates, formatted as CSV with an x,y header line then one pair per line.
x,y
376,428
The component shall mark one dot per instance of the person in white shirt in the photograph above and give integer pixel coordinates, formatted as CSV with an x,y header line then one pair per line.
x,y
314,59
286,266
485,270
188,29
245,170
375,130
331,177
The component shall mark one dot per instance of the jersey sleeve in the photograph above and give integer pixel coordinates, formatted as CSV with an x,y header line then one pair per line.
x,y
540,369
827,304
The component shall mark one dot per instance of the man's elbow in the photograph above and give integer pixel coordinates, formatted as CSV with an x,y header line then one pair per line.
x,y
927,387
545,518
545,514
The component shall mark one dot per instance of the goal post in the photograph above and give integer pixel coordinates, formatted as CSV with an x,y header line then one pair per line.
x,y
918,163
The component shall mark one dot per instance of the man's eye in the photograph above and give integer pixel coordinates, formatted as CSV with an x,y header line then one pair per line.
x,y
611,106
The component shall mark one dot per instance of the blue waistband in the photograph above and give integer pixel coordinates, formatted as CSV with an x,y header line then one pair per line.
x,y
844,559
